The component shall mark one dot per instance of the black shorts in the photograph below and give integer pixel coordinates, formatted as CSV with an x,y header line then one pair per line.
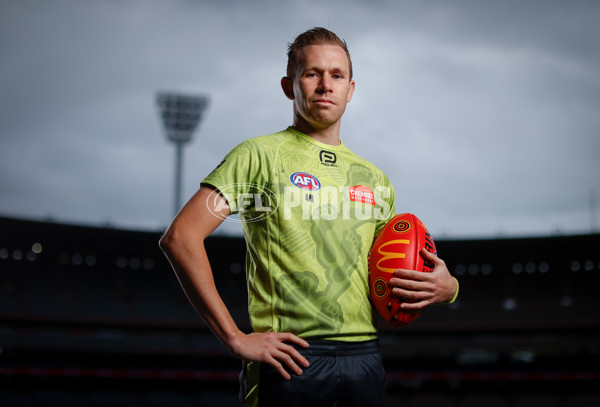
x,y
341,374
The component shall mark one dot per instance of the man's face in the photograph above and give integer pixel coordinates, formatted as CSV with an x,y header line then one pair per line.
x,y
322,85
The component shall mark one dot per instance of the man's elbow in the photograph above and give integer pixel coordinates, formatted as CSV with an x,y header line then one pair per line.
x,y
167,241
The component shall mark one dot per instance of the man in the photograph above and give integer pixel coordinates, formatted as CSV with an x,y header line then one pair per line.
x,y
311,210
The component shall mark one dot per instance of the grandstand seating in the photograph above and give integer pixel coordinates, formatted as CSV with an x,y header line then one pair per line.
x,y
94,316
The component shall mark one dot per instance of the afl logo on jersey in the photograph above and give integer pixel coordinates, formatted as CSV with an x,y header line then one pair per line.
x,y
305,181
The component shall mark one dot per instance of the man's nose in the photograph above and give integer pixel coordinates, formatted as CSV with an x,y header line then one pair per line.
x,y
325,84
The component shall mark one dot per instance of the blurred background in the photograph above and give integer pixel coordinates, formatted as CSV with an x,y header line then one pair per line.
x,y
95,317
483,114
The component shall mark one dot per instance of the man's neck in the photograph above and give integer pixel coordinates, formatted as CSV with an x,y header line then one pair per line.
x,y
326,135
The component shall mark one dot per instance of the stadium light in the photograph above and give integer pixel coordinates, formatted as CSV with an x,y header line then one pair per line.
x,y
180,115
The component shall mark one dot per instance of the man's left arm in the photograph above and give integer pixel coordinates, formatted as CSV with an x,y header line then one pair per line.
x,y
424,289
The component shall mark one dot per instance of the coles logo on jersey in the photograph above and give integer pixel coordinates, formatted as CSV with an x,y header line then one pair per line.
x,y
361,193
305,181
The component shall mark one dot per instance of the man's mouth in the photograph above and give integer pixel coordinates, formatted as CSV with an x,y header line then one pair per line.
x,y
324,102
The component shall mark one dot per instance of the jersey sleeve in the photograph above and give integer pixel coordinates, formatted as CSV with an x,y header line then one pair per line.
x,y
239,174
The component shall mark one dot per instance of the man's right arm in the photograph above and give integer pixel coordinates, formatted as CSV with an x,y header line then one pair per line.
x,y
183,244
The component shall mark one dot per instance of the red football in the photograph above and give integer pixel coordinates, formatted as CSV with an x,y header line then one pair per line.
x,y
397,246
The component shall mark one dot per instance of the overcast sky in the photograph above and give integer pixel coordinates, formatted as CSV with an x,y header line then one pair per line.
x,y
484,114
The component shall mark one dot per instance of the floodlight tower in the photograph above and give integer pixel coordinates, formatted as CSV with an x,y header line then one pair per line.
x,y
180,115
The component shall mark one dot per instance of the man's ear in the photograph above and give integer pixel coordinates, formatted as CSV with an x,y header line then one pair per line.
x,y
350,91
288,87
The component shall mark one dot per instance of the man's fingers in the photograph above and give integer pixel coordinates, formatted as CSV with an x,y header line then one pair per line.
x,y
290,350
419,289
428,255
279,367
414,305
412,296
288,361
407,274
408,285
283,354
289,337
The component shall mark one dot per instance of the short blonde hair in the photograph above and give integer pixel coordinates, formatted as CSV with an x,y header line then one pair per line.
x,y
314,36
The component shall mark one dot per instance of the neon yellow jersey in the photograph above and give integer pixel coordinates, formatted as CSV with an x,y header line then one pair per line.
x,y
310,213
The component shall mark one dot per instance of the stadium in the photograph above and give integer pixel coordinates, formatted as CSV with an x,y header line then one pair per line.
x,y
482,115
94,316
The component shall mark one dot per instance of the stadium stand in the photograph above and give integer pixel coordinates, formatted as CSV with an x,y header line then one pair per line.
x,y
94,316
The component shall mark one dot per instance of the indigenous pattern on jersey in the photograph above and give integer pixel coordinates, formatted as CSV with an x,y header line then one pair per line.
x,y
310,212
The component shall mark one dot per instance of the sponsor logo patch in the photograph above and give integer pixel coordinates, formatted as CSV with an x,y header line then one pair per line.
x,y
328,158
306,181
361,193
